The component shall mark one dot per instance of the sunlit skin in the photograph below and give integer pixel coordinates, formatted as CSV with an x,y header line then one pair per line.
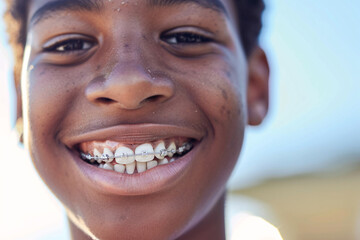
x,y
144,69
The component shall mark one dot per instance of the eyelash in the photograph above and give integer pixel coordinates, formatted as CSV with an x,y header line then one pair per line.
x,y
185,38
70,45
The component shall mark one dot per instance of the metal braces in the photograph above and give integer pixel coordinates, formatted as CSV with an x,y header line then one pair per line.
x,y
163,153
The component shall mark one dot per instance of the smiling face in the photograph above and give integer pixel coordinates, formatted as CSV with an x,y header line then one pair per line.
x,y
139,76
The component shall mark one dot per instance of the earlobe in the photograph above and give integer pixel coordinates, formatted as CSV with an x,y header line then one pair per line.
x,y
258,87
19,126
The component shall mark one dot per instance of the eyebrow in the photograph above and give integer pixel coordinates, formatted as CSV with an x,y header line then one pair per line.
x,y
96,5
216,5
64,5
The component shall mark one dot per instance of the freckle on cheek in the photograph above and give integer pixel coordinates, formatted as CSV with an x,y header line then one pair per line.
x,y
223,109
224,93
228,112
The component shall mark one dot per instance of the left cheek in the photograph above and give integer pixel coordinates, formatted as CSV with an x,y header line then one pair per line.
x,y
223,94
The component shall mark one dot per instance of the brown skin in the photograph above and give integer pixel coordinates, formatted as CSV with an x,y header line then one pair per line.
x,y
130,76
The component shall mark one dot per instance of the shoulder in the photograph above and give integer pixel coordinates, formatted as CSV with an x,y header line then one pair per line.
x,y
254,228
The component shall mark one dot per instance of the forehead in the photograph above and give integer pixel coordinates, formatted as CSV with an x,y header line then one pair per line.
x,y
40,9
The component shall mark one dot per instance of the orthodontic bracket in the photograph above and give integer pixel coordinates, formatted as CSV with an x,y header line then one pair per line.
x,y
162,152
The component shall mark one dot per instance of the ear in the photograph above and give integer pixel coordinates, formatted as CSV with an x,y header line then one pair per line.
x,y
258,86
19,120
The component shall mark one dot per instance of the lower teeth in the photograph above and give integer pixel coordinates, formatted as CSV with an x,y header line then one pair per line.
x,y
133,167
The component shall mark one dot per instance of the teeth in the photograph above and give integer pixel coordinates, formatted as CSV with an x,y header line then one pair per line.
x,y
130,168
108,166
144,153
141,167
181,150
119,168
171,149
124,155
97,155
108,154
160,148
151,164
163,161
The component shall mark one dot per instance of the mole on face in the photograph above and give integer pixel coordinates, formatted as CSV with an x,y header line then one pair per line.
x,y
224,93
223,109
226,111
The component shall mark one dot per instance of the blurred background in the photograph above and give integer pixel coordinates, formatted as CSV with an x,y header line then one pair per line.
x,y
300,170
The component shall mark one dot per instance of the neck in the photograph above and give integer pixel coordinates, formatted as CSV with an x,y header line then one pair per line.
x,y
212,226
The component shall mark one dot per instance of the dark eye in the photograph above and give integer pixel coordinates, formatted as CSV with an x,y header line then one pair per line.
x,y
185,38
70,45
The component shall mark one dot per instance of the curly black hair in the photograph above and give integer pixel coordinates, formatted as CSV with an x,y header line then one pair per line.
x,y
249,13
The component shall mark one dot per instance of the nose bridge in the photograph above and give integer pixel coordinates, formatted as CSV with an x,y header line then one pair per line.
x,y
128,74
126,55
127,47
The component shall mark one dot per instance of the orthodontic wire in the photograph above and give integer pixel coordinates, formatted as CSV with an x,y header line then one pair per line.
x,y
107,157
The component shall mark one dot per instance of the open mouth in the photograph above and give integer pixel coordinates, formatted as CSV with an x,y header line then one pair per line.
x,y
134,158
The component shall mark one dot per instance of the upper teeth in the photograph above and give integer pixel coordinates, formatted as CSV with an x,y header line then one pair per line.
x,y
124,155
171,149
97,156
160,148
143,153
108,154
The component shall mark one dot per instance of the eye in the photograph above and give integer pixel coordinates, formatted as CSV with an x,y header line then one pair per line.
x,y
69,49
70,45
185,38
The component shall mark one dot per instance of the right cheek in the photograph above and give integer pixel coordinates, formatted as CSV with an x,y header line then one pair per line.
x,y
45,104
45,100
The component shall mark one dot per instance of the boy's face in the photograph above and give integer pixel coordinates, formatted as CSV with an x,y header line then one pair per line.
x,y
134,72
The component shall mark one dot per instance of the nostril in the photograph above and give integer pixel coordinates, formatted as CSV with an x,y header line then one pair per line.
x,y
154,98
104,100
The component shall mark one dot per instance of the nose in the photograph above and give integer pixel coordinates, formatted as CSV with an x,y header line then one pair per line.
x,y
130,86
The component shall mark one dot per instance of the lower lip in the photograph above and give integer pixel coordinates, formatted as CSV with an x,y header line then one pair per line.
x,y
148,182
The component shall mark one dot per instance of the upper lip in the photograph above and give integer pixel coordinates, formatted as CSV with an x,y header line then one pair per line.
x,y
134,134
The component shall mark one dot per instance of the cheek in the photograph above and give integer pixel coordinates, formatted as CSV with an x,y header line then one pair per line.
x,y
220,91
47,96
50,93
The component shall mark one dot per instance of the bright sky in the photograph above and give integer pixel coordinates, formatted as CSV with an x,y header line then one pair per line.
x,y
314,50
